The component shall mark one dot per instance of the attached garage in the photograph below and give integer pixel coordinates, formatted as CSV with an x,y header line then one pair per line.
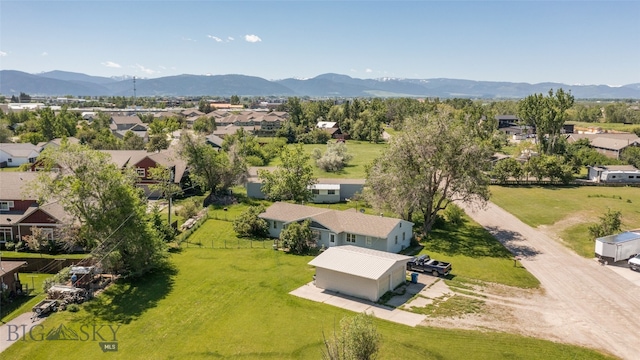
x,y
359,272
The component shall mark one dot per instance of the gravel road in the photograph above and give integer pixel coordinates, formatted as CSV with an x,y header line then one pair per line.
x,y
581,302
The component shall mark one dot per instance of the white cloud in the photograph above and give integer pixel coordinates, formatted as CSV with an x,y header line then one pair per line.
x,y
189,39
230,38
3,54
111,64
217,39
145,70
252,38
44,53
368,70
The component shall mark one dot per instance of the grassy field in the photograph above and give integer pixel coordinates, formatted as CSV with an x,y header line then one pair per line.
x,y
235,304
363,154
571,209
605,126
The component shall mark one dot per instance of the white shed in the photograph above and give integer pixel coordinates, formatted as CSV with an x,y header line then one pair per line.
x,y
359,272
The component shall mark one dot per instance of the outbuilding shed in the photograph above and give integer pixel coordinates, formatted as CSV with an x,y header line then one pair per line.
x,y
359,272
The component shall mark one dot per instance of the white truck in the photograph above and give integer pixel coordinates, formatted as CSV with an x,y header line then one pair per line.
x,y
623,246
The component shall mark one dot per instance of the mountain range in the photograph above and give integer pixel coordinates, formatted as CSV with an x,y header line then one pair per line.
x,y
63,83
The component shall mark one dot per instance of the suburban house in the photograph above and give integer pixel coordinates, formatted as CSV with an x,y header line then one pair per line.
x,y
16,154
331,127
359,272
142,161
9,277
336,227
120,125
609,144
325,191
614,174
255,122
20,211
215,141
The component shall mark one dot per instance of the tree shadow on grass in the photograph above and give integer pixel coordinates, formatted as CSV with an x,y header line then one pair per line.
x,y
514,241
127,299
466,239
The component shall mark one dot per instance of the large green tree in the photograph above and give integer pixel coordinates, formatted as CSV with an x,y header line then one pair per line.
x,y
213,170
110,209
290,180
432,163
547,114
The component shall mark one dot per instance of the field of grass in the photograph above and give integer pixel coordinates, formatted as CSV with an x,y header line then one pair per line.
x,y
605,126
234,303
577,207
363,154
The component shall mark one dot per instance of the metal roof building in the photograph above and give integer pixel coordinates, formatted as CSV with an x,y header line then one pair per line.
x,y
359,272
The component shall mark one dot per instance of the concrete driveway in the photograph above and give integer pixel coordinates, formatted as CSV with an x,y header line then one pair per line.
x,y
311,292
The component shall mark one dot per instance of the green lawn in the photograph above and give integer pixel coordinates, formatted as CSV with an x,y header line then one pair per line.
x,y
24,304
363,154
234,303
579,207
19,254
475,254
606,126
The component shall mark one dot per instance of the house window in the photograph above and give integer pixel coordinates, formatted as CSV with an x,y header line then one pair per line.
x,y
9,160
351,238
315,191
6,234
332,238
401,224
6,205
140,172
48,232
396,239
275,224
368,240
403,236
331,192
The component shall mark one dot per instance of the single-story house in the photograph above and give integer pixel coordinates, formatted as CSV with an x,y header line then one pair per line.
x,y
325,191
359,272
609,144
16,154
9,278
614,174
342,227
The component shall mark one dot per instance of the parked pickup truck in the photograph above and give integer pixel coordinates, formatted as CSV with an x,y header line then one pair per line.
x,y
426,264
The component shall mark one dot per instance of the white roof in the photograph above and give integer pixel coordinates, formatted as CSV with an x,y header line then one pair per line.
x,y
358,261
325,187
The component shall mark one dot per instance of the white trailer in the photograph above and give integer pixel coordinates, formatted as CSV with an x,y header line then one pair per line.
x,y
623,246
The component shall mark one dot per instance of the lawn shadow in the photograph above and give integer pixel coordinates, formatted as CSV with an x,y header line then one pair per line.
x,y
514,242
128,299
465,239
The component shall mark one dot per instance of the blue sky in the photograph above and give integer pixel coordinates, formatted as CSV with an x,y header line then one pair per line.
x,y
572,42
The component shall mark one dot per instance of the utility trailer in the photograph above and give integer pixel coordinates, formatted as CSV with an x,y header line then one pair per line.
x,y
613,248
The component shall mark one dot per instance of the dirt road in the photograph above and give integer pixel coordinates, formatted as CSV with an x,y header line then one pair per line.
x,y
581,302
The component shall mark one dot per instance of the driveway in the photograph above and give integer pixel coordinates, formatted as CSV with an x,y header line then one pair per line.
x,y
581,302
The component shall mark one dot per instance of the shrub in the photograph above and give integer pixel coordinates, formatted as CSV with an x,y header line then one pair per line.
x,y
188,210
454,214
249,224
73,308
